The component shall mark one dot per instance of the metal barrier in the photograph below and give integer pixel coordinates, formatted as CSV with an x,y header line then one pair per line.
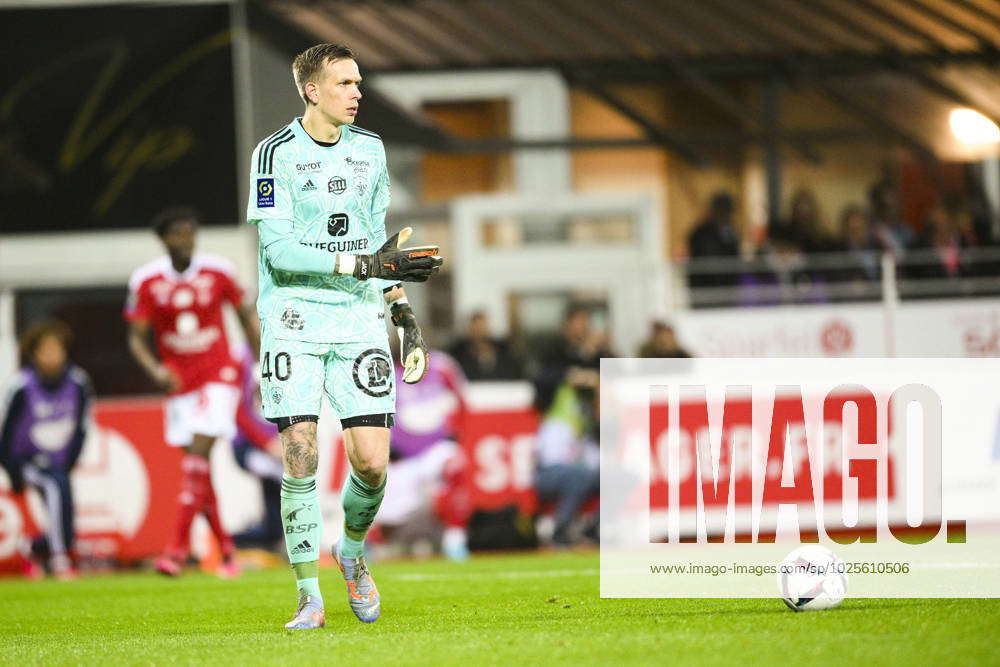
x,y
779,278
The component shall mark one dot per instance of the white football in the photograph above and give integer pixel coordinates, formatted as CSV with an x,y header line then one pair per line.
x,y
812,578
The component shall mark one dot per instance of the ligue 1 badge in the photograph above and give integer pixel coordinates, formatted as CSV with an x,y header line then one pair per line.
x,y
265,193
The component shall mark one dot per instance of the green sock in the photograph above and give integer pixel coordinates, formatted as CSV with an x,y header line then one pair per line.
x,y
361,502
303,523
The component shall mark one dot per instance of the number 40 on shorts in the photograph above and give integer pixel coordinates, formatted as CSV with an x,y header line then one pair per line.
x,y
282,366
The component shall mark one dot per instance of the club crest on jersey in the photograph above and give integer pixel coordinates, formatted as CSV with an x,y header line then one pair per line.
x,y
336,185
360,186
265,193
373,372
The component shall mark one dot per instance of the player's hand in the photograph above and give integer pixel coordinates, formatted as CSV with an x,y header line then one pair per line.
x,y
413,353
392,262
166,379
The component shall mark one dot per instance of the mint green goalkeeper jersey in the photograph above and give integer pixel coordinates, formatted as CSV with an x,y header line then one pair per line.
x,y
310,202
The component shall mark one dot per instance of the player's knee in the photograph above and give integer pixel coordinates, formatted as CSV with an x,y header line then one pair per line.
x,y
371,469
301,453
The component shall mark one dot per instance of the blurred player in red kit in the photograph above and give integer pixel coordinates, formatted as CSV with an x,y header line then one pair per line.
x,y
180,298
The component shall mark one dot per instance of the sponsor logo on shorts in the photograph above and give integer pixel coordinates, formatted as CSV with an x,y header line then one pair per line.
x,y
292,320
373,372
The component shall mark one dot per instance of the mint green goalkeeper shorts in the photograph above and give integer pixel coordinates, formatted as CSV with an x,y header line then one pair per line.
x,y
357,378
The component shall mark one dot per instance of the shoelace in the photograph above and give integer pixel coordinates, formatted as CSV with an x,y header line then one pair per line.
x,y
362,578
360,571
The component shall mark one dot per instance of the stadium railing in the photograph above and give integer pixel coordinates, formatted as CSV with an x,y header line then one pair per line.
x,y
838,277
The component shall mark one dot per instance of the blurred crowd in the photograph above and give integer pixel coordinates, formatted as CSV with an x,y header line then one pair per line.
x,y
802,258
564,370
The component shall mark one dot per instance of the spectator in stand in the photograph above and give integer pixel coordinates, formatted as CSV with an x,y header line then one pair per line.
x,y
662,344
257,449
804,225
568,456
807,222
44,419
940,245
890,232
714,237
483,357
981,214
861,262
577,350
981,217
781,272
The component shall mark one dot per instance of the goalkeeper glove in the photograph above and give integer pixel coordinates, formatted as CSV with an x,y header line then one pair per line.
x,y
394,263
412,351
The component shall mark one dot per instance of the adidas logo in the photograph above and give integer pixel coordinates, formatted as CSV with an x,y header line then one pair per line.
x,y
301,548
308,186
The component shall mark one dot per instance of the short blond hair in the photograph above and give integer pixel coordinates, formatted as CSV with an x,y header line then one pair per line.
x,y
308,64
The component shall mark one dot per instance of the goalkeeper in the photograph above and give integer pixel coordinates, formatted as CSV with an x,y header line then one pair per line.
x,y
319,194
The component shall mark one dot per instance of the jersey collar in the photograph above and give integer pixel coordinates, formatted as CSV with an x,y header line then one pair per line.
x,y
186,274
301,133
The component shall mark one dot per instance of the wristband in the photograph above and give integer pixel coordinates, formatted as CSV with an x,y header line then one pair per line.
x,y
345,265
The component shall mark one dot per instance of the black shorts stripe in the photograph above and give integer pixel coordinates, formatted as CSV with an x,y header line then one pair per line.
x,y
363,131
383,420
263,146
285,422
266,150
270,159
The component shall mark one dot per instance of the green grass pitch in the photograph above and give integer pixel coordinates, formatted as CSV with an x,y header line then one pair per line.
x,y
516,609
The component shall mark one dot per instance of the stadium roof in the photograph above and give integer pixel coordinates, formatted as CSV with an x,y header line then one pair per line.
x,y
925,52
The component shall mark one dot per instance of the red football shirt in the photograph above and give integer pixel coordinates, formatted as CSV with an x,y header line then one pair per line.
x,y
185,312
